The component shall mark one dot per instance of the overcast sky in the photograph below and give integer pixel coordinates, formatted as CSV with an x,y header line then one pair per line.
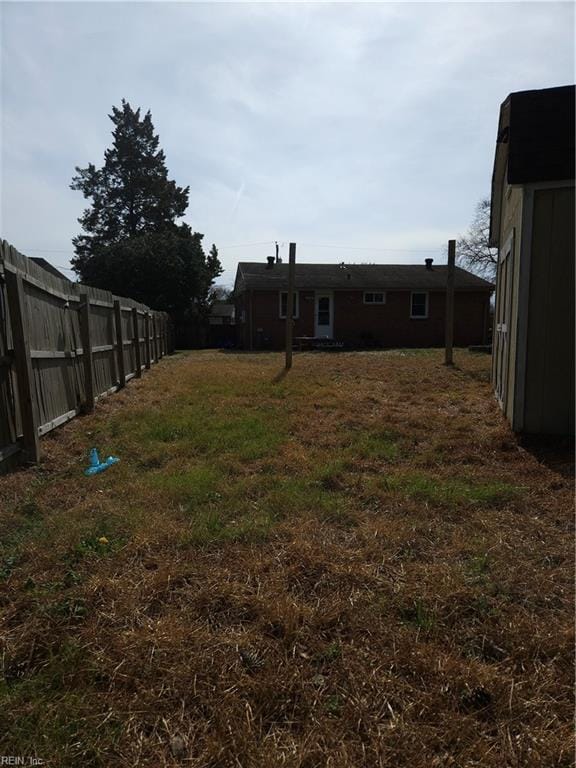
x,y
361,126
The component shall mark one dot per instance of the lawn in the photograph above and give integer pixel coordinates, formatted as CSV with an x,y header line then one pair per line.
x,y
352,565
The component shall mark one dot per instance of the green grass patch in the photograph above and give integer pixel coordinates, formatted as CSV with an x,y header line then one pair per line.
x,y
94,546
53,707
247,436
213,526
379,445
192,487
22,527
451,492
331,474
292,496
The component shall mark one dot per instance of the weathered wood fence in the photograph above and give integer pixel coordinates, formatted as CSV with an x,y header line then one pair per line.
x,y
63,346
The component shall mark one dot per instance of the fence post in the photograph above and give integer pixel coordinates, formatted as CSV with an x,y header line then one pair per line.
x,y
23,364
84,318
119,343
137,355
290,305
154,337
147,339
449,334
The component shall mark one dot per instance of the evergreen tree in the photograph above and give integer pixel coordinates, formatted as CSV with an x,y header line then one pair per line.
x,y
133,245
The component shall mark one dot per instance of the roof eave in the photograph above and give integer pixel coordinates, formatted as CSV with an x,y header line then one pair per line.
x,y
499,173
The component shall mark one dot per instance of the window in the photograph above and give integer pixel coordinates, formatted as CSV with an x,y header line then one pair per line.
x,y
419,306
284,302
323,310
371,297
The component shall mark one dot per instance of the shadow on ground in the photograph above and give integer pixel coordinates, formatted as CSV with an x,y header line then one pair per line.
x,y
556,453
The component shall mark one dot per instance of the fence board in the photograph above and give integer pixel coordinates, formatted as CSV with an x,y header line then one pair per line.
x,y
73,352
20,336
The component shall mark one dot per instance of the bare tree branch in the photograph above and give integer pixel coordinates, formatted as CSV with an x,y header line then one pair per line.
x,y
472,248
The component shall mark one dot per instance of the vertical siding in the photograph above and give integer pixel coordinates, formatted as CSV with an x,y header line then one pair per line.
x,y
507,293
549,395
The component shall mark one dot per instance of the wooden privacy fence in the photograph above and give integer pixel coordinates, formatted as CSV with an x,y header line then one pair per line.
x,y
63,346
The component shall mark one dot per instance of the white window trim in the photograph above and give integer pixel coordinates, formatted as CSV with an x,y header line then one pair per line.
x,y
375,303
296,305
419,317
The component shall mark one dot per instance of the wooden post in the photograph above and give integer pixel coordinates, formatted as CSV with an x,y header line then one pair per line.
x,y
136,331
147,339
155,337
448,357
84,318
23,364
250,324
119,343
290,305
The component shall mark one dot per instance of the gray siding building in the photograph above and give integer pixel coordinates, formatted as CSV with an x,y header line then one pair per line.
x,y
532,225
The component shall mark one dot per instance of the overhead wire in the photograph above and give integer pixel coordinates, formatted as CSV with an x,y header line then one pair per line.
x,y
371,249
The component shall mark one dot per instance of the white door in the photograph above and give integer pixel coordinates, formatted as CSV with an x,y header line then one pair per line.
x,y
323,314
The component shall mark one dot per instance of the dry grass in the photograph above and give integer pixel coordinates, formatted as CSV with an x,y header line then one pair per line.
x,y
355,565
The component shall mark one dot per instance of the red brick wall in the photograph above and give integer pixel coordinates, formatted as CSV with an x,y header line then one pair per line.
x,y
390,325
268,328
363,325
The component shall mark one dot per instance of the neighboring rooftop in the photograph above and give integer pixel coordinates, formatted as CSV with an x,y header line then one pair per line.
x,y
262,276
222,309
48,267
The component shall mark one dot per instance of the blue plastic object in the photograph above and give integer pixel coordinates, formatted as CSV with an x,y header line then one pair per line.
x,y
97,466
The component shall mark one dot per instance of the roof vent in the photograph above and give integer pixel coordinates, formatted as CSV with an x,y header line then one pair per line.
x,y
270,260
428,263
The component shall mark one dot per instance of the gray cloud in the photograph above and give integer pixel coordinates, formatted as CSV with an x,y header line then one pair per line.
x,y
364,125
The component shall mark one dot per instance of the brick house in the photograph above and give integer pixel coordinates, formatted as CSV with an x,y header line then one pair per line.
x,y
359,305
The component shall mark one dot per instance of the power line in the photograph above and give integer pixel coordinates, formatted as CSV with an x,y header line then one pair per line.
x,y
246,245
340,247
272,242
366,248
49,250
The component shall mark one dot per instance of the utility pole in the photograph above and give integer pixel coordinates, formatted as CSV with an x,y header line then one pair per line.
x,y
449,337
290,305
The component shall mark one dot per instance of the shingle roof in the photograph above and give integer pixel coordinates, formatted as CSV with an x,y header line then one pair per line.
x,y
541,135
535,143
48,267
258,276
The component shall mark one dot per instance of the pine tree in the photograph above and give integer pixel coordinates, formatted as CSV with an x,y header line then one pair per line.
x,y
133,245
131,194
